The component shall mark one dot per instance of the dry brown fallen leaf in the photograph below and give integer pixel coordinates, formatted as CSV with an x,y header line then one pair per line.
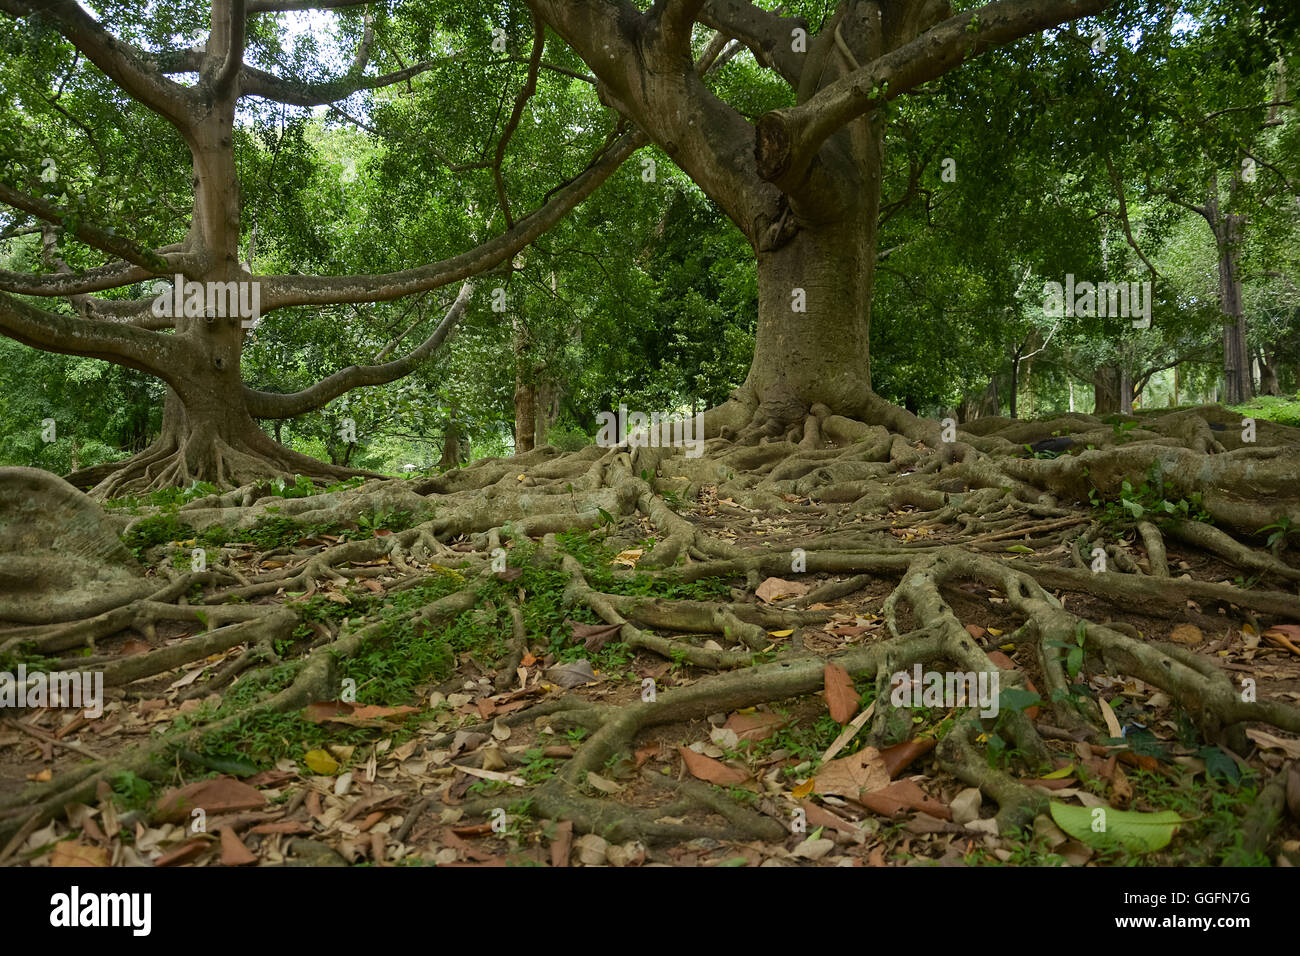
x,y
1268,741
182,853
217,795
593,636
562,844
233,850
849,776
776,589
710,770
1188,634
903,795
841,698
71,853
898,757
756,726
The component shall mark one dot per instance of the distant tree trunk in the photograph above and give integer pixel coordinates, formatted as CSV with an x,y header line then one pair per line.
x,y
546,410
980,405
1238,384
1015,381
525,394
1268,384
451,446
1112,390
525,417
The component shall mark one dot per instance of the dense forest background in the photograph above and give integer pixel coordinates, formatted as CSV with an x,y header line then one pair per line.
x,y
1060,153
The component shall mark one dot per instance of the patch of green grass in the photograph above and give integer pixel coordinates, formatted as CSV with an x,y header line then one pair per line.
x,y
1212,808
536,768
1281,409
165,497
265,738
595,558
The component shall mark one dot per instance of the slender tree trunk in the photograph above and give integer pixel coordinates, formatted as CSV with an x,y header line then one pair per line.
x,y
1238,384
525,423
546,410
1268,383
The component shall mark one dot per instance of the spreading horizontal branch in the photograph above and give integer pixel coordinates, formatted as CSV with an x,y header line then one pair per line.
x,y
254,82
787,140
125,64
91,235
271,405
70,335
286,290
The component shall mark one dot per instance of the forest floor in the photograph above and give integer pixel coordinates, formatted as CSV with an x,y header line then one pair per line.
x,y
346,677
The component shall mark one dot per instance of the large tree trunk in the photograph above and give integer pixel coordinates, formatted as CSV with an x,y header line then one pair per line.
x,y
207,431
814,315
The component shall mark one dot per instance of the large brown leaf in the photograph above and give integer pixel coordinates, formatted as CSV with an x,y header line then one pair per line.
x,y
217,795
594,636
841,698
777,589
898,757
902,795
710,770
849,776
757,726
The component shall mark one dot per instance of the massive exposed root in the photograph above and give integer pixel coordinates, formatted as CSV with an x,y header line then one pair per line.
x,y
784,493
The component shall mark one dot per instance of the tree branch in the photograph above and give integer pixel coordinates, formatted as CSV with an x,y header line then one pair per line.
x,y
101,239
128,66
675,19
111,276
121,344
235,29
271,405
285,290
788,140
255,82
516,114
769,36
1118,183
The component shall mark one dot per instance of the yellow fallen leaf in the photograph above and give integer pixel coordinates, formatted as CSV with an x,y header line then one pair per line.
x,y
995,632
629,558
1112,722
1006,647
781,633
321,762
804,788
1059,774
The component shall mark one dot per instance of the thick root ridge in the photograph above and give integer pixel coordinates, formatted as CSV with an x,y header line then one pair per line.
x,y
879,506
